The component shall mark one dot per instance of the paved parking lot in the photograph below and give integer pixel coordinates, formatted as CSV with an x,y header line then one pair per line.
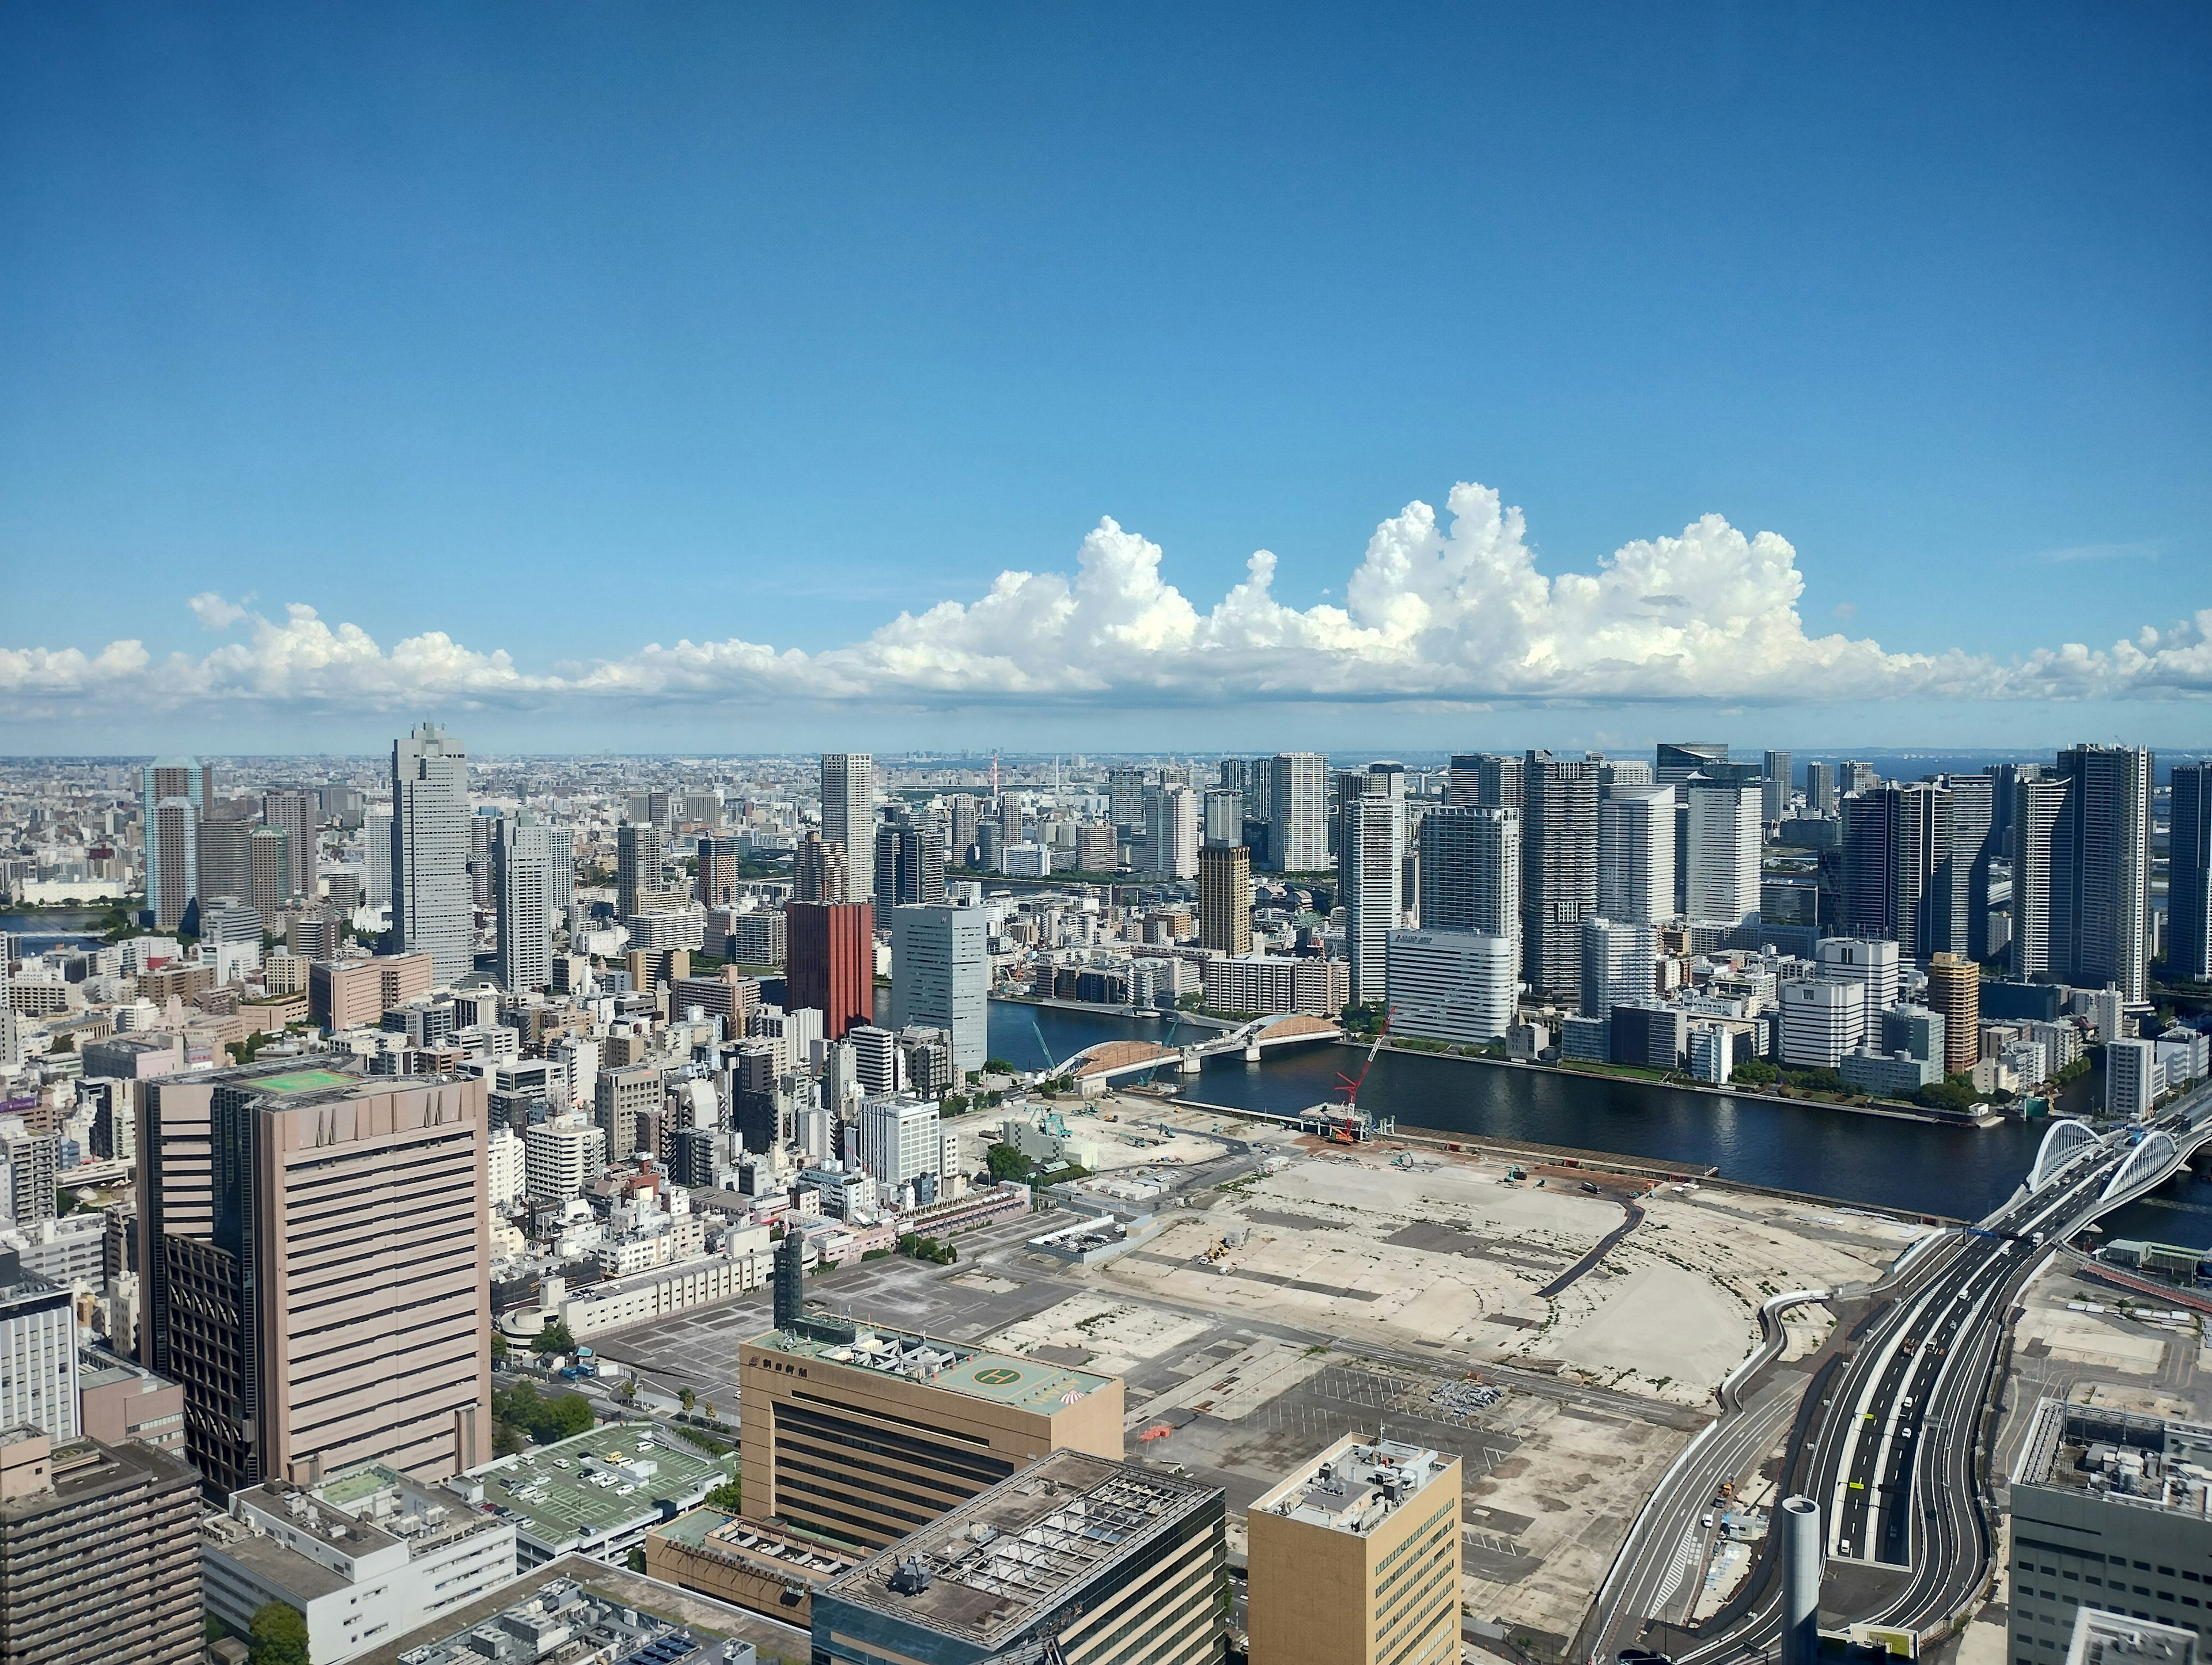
x,y
961,1302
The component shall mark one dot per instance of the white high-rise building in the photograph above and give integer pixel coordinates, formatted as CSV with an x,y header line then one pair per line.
x,y
1297,831
1171,830
38,1353
430,890
1821,1022
941,977
506,1168
1872,961
528,853
561,1156
848,817
1370,877
1455,985
878,1069
1470,871
1725,830
2131,1077
1636,854
1225,816
1620,965
898,1140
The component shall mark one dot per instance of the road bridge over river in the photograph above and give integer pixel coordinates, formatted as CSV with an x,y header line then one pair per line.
x,y
1110,1060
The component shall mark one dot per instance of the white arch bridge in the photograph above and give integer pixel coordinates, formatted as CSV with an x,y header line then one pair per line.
x,y
2068,1141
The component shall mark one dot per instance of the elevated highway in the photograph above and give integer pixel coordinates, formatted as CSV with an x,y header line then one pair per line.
x,y
1888,1429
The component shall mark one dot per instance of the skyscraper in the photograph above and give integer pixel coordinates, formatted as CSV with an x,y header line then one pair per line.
x,y
528,853
1370,876
941,977
2189,882
377,837
718,881
1171,839
819,871
1676,761
1497,782
909,863
1897,857
2101,918
269,870
1298,838
2038,803
1618,962
638,853
849,816
1774,801
1636,854
316,1271
1471,872
1820,788
1964,879
1224,816
175,795
1125,799
1558,869
1954,990
1224,898
298,812
1722,869
430,908
830,950
1463,781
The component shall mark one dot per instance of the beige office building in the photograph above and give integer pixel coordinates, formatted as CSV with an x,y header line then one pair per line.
x,y
867,1433
316,1270
347,993
1355,1560
1224,898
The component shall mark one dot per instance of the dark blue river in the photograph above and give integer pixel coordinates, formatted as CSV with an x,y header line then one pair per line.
x,y
1961,1171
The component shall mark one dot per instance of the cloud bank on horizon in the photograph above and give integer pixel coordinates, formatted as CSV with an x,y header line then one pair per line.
x,y
1445,610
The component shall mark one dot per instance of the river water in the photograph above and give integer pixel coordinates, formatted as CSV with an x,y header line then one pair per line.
x,y
1961,1171
36,933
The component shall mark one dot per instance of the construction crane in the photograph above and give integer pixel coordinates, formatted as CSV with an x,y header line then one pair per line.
x,y
1051,1065
1351,1084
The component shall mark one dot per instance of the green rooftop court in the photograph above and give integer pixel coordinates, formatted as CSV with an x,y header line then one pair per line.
x,y
608,1480
1026,1384
305,1081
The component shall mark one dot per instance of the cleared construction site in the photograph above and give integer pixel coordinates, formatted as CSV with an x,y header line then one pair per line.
x,y
1560,1329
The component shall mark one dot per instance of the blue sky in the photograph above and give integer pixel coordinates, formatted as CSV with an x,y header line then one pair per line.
x,y
558,332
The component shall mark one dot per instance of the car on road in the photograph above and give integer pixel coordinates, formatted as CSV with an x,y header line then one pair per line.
x,y
1707,1523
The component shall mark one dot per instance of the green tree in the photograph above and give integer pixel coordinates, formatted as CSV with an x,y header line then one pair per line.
x,y
725,1498
687,1398
637,1560
279,1635
1008,1162
999,1066
554,1338
498,1348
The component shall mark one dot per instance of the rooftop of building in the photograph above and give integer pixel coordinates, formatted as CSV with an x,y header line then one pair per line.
x,y
1011,1554
1356,1485
83,1468
2117,1456
2113,1639
774,1552
598,1482
1024,1385
560,1618
21,1287
609,1588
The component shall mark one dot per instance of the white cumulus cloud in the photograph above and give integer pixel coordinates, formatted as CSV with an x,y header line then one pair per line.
x,y
1442,610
